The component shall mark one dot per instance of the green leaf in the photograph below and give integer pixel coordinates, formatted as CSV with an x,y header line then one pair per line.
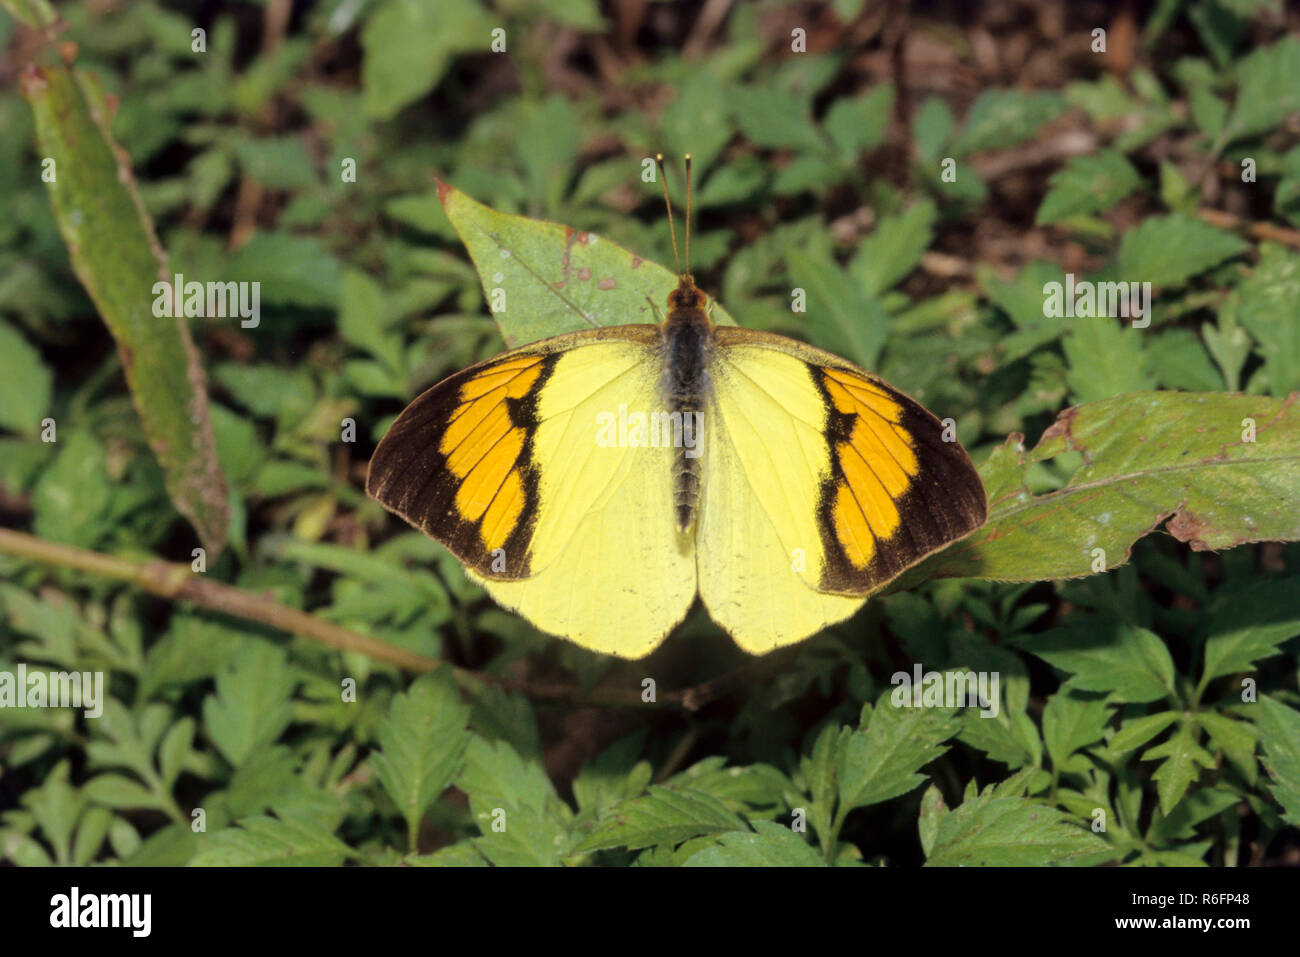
x,y
1267,310
1184,758
842,317
26,383
464,854
881,759
1279,732
773,117
278,162
769,845
422,744
73,497
859,123
1071,723
664,816
1136,732
697,121
408,46
522,820
253,702
1088,184
988,831
267,842
1180,361
1147,456
1266,91
1169,250
555,279
1003,119
292,270
1105,358
1248,621
116,256
894,248
122,793
1180,823
1107,655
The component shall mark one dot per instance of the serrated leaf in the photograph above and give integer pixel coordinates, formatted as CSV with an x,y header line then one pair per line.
x,y
1147,456
1108,655
271,842
1267,311
1249,621
1279,732
664,816
1184,759
989,831
769,845
894,248
1169,250
1266,92
408,45
861,122
1072,723
1179,824
881,760
252,705
933,809
523,822
1088,184
1105,358
422,743
556,279
1136,732
841,316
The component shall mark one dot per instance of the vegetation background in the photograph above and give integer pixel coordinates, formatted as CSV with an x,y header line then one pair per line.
x,y
1125,696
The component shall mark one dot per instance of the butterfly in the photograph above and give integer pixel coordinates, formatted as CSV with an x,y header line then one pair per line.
x,y
596,482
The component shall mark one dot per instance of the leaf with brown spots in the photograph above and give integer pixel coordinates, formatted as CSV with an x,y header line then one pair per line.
x,y
1224,470
555,279
117,257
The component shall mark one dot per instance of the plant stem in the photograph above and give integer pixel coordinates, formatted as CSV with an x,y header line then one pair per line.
x,y
178,583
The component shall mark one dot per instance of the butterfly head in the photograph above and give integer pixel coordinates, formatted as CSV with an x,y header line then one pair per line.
x,y
686,296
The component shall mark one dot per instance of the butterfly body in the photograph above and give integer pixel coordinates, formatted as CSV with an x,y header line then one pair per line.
x,y
687,349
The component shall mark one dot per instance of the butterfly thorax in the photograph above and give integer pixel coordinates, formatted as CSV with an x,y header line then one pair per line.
x,y
688,345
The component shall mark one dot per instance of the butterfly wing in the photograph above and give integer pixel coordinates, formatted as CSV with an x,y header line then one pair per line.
x,y
821,484
505,464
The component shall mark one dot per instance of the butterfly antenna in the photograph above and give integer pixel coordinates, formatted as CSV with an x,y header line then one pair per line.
x,y
663,180
688,212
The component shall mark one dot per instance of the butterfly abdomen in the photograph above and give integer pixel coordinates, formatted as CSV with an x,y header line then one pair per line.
x,y
688,344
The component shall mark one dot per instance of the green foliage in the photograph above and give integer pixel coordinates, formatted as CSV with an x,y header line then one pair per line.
x,y
1146,714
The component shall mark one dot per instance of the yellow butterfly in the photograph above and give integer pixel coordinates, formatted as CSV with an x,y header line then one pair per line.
x,y
596,482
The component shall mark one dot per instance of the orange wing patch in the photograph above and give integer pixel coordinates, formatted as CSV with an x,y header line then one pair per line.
x,y
877,464
482,446
457,463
